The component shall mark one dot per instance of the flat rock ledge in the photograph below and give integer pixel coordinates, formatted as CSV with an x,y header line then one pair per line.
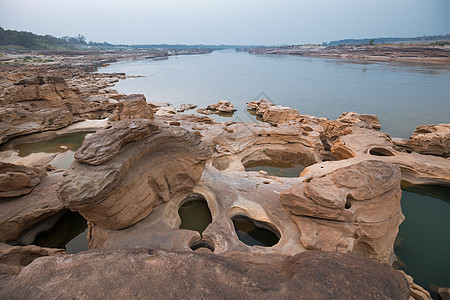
x,y
158,274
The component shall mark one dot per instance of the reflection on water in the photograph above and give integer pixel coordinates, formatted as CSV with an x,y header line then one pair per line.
x,y
423,241
70,141
279,169
69,233
254,233
195,214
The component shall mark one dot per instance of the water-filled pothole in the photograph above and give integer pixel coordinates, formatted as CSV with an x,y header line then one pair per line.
x,y
255,233
194,213
274,168
70,233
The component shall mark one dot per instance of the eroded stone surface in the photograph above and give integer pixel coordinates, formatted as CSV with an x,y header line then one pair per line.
x,y
144,273
18,180
353,209
133,107
431,139
137,170
19,214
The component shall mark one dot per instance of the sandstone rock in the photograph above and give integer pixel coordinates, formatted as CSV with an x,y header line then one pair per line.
x,y
352,118
145,273
14,258
278,114
18,215
222,106
122,172
133,107
260,106
431,139
18,180
417,292
354,209
185,107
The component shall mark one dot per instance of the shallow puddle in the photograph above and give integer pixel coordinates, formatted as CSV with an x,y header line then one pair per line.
x,y
70,233
195,214
423,241
279,169
70,141
254,233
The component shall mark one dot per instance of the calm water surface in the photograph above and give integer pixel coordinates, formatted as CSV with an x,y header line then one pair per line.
x,y
403,97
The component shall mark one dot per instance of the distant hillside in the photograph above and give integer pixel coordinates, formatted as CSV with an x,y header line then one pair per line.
x,y
391,40
12,39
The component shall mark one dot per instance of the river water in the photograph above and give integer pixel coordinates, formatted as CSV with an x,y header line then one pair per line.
x,y
402,96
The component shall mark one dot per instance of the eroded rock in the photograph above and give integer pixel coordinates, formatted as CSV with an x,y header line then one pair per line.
x,y
18,180
116,184
133,107
431,139
278,114
353,209
144,273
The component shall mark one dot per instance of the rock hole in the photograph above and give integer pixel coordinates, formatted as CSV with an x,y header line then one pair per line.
x,y
255,233
275,168
348,201
380,152
202,245
308,180
194,213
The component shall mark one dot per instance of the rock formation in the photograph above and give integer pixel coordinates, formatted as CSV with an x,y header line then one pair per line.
x,y
125,170
133,107
18,180
353,209
145,273
222,106
431,139
21,218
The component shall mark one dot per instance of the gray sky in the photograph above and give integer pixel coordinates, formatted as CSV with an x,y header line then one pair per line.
x,y
227,21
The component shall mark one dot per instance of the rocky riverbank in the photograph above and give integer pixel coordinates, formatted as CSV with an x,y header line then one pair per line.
x,y
337,221
388,53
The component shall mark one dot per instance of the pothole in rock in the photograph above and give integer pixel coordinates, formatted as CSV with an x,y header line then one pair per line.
x,y
255,233
274,168
380,152
70,233
202,246
194,213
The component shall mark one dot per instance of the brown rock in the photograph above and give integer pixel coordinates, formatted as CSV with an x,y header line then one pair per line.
x,y
354,209
260,106
278,114
14,258
431,139
145,273
133,107
18,215
220,107
18,180
371,121
139,165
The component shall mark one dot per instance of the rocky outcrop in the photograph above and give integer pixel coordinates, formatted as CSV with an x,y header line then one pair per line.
x,y
133,107
18,180
145,273
21,218
431,139
368,121
278,114
353,209
222,106
14,258
185,107
260,106
122,172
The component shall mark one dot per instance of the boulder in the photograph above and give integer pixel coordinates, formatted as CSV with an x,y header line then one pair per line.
x,y
260,106
18,180
22,217
371,121
431,139
133,107
125,170
222,106
184,107
278,114
352,209
146,273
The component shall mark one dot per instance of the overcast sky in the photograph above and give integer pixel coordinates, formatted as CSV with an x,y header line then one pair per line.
x,y
267,22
